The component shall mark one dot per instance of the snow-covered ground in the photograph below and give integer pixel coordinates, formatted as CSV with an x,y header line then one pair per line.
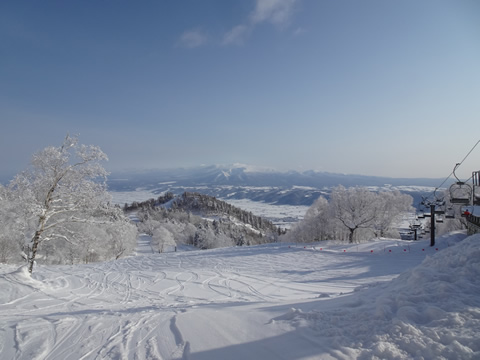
x,y
281,215
127,197
386,299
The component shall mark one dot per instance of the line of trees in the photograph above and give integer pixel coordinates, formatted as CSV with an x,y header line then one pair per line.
x,y
150,203
351,214
58,211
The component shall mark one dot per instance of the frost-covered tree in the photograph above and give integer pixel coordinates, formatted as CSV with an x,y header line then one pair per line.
x,y
64,195
9,241
318,219
15,220
162,239
7,248
315,226
391,206
148,225
351,212
354,208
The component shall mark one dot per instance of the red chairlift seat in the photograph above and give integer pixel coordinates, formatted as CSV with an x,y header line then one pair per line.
x,y
466,213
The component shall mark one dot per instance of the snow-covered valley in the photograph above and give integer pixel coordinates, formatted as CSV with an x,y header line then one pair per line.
x,y
276,301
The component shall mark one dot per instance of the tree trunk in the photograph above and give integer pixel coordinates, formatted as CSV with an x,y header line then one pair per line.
x,y
350,236
33,253
35,242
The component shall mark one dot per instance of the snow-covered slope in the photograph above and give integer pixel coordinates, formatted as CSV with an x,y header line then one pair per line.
x,y
276,301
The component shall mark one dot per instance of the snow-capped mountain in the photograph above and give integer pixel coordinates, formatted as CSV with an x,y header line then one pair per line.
x,y
240,181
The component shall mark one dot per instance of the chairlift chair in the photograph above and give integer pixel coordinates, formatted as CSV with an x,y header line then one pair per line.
x,y
427,214
460,192
476,187
449,215
415,225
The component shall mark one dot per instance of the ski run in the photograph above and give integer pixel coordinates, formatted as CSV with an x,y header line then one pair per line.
x,y
385,299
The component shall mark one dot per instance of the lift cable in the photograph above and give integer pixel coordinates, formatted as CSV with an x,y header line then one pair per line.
x,y
453,172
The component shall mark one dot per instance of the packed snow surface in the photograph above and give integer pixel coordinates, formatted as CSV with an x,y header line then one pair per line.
x,y
385,299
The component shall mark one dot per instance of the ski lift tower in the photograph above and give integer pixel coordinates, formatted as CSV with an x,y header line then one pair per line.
x,y
415,226
436,207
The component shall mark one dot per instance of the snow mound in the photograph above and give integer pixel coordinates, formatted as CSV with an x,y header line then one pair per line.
x,y
429,312
17,284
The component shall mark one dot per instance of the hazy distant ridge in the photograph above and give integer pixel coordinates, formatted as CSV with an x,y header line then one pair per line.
x,y
245,182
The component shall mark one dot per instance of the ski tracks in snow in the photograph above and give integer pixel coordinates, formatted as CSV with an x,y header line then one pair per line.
x,y
125,309
182,352
129,308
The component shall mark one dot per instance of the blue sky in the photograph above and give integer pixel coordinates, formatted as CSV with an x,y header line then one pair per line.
x,y
371,87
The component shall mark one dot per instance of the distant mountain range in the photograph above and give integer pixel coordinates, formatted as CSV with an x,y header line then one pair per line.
x,y
245,182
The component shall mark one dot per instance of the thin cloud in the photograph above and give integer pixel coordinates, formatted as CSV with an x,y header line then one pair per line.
x,y
193,39
237,35
299,31
277,12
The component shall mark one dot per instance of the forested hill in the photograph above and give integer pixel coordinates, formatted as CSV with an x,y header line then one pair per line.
x,y
202,220
210,206
206,206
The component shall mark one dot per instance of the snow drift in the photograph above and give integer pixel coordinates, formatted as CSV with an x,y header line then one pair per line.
x,y
429,312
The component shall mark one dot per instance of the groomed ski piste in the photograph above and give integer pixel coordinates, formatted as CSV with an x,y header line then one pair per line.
x,y
384,299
